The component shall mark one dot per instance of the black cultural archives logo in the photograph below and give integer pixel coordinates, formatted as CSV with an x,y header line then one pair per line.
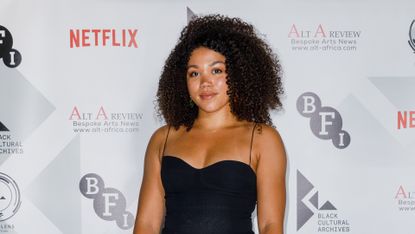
x,y
8,145
11,57
3,128
412,35
308,204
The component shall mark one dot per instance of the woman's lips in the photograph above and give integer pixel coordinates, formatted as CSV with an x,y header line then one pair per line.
x,y
207,96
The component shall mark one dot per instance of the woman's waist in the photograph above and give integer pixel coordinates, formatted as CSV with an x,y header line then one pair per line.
x,y
207,222
210,204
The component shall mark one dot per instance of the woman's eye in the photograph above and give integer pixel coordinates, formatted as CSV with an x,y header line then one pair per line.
x,y
193,74
216,71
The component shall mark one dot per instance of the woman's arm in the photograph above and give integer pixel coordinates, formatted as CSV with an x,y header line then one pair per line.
x,y
151,200
271,167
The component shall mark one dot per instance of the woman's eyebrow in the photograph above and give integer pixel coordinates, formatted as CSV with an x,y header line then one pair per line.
x,y
189,66
212,64
216,62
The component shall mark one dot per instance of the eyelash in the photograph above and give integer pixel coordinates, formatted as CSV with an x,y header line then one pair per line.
x,y
220,71
214,71
191,74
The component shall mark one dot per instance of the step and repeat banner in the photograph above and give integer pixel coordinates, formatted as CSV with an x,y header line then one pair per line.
x,y
77,89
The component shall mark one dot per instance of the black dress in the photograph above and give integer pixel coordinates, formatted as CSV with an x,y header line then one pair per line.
x,y
217,199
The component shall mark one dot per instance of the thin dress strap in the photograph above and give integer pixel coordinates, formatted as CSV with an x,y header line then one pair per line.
x,y
250,147
165,141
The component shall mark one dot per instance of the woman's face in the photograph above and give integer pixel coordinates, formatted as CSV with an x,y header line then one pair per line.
x,y
206,80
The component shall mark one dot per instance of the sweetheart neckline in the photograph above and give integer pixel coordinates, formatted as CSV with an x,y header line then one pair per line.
x,y
210,165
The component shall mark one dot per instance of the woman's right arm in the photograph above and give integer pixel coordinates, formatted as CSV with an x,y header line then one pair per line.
x,y
150,210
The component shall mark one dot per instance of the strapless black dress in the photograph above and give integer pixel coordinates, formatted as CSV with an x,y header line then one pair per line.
x,y
217,199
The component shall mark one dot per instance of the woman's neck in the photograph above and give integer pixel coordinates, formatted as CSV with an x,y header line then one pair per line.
x,y
215,120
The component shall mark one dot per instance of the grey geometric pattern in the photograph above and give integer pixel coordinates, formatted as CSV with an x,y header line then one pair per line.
x,y
190,14
23,107
55,191
398,90
381,149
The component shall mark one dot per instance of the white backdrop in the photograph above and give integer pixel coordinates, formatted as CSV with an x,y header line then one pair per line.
x,y
77,111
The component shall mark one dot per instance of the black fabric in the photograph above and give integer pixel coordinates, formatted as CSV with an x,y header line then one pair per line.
x,y
217,199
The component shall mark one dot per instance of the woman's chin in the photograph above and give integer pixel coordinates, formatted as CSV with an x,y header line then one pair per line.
x,y
212,108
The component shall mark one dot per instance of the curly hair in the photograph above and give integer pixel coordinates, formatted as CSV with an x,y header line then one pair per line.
x,y
253,71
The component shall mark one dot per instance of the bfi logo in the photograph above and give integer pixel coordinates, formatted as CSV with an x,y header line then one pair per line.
x,y
325,122
11,57
109,203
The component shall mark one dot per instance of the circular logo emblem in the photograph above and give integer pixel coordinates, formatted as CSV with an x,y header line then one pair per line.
x,y
412,35
9,197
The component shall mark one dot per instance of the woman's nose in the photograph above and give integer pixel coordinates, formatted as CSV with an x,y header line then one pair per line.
x,y
206,78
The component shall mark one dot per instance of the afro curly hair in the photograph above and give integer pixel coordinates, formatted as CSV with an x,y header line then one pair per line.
x,y
254,72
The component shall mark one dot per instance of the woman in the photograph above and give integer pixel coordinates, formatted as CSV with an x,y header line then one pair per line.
x,y
218,156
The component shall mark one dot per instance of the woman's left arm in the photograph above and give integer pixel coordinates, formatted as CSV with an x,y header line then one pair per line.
x,y
271,168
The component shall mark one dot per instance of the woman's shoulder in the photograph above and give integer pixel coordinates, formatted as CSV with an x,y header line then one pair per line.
x,y
158,140
161,131
266,130
266,136
268,146
160,134
158,137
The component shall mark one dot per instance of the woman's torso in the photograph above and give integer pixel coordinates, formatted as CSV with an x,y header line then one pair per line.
x,y
218,198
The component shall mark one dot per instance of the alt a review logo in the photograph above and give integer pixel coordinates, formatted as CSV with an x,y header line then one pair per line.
x,y
325,121
11,57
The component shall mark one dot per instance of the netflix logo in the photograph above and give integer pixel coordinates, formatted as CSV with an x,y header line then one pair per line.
x,y
103,38
406,119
